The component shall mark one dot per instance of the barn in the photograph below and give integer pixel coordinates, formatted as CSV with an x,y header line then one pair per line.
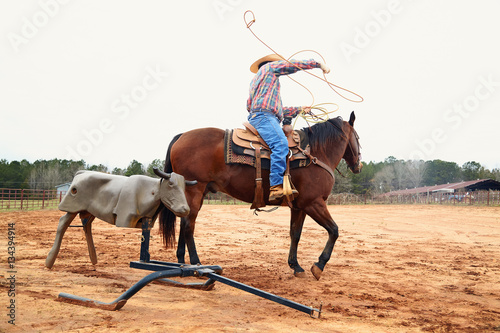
x,y
467,186
62,188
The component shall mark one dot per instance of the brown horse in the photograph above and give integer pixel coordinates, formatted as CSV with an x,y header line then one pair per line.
x,y
199,154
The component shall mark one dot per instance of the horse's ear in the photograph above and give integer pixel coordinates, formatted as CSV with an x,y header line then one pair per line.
x,y
352,119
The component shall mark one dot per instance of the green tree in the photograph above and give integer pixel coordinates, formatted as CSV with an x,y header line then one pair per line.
x,y
495,174
134,168
155,164
441,172
363,182
472,171
118,171
343,183
14,174
100,168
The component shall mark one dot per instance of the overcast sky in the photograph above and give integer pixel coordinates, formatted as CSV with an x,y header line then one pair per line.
x,y
112,81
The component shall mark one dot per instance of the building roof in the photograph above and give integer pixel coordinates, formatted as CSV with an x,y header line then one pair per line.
x,y
471,185
62,185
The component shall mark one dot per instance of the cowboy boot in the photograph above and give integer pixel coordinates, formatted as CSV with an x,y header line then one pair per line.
x,y
276,192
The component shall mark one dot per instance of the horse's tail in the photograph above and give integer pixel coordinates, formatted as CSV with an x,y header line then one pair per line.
x,y
167,218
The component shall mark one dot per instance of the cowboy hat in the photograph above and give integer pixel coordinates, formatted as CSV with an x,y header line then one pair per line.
x,y
271,57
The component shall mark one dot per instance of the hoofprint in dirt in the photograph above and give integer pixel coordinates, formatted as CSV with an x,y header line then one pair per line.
x,y
394,269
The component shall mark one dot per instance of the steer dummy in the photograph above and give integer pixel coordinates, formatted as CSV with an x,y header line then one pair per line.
x,y
119,200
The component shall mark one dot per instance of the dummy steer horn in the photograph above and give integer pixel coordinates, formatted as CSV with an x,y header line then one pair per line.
x,y
161,174
165,175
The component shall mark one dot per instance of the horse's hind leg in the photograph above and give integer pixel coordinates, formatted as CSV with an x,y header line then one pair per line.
x,y
189,237
64,223
186,238
296,224
186,234
181,244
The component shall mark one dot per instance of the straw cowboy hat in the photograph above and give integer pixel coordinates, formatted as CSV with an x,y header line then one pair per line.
x,y
271,57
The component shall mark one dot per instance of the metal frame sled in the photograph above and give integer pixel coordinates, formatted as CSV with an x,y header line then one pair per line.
x,y
163,271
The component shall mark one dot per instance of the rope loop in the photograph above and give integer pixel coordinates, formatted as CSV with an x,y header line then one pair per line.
x,y
309,117
249,24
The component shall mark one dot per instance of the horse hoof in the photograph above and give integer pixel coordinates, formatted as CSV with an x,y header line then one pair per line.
x,y
316,271
300,275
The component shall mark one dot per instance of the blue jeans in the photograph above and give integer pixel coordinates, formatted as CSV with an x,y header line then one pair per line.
x,y
270,130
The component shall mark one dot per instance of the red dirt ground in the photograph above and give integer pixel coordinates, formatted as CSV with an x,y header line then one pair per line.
x,y
394,269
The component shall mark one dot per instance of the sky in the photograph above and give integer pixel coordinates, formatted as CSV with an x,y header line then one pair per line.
x,y
114,81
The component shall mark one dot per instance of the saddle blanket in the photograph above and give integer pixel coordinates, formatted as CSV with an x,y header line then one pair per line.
x,y
234,154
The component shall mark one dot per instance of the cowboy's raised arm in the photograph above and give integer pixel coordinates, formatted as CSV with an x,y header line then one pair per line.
x,y
289,67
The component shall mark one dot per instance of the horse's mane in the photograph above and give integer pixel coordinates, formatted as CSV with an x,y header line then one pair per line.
x,y
325,133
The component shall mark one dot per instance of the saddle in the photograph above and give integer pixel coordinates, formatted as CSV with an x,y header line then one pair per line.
x,y
249,139
246,146
246,142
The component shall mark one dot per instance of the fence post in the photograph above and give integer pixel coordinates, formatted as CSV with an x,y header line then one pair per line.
x,y
22,192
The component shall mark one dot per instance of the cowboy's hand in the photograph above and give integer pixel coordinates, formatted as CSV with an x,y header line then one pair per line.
x,y
325,68
306,110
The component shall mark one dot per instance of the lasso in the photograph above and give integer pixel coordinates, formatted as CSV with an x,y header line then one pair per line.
x,y
322,111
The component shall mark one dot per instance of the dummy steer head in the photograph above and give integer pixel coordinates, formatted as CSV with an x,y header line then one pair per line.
x,y
172,187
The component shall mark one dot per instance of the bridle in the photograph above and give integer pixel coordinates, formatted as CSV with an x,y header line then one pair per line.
x,y
356,136
358,160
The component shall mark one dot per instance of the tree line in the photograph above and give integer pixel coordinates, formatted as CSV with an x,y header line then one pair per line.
x,y
393,174
376,177
45,175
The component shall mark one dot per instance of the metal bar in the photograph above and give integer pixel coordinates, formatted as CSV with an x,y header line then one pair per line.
x,y
173,270
283,301
161,265
123,298
155,265
146,232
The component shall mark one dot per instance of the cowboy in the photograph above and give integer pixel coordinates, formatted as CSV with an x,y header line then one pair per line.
x,y
267,112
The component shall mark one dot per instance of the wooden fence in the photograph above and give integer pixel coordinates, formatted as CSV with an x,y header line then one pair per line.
x,y
17,199
477,198
26,199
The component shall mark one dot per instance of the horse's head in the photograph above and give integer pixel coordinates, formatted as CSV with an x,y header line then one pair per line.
x,y
352,154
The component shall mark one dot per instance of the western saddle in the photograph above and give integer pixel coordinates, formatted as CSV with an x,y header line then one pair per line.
x,y
253,145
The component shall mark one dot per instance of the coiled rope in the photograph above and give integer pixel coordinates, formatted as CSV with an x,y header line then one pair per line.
x,y
322,111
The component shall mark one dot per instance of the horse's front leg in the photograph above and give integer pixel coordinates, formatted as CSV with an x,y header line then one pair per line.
x,y
319,212
296,224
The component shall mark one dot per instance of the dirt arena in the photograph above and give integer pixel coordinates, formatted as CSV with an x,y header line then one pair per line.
x,y
394,269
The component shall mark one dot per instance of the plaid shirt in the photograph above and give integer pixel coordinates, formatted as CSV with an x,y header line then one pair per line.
x,y
265,87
